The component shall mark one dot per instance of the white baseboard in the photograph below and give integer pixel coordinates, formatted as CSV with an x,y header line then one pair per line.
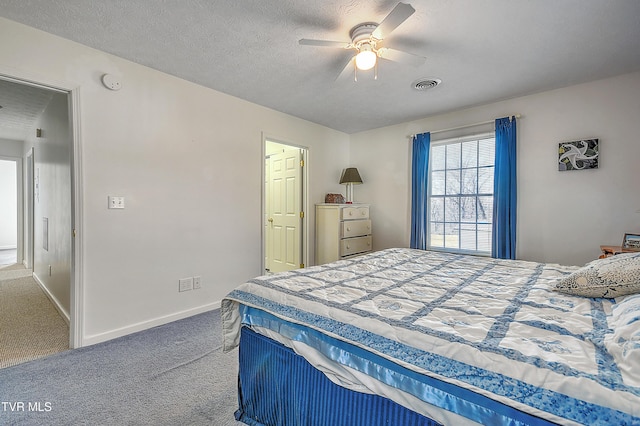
x,y
144,325
8,247
56,303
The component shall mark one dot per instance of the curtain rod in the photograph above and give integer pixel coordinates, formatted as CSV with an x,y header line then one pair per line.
x,y
465,126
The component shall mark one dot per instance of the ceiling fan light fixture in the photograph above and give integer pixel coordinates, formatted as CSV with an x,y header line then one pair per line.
x,y
366,41
366,58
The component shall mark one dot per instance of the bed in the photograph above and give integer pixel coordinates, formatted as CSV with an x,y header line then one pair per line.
x,y
404,337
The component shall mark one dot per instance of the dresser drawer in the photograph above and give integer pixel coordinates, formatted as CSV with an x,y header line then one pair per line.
x,y
350,246
361,212
355,228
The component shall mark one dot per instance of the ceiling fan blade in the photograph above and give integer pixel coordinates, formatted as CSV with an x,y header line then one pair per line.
x,y
347,70
325,43
402,57
397,16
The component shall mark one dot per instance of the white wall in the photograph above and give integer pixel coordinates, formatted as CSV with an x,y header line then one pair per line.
x,y
11,148
563,217
52,200
188,161
8,204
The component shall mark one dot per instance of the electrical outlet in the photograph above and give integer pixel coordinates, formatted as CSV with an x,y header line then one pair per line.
x,y
185,284
197,283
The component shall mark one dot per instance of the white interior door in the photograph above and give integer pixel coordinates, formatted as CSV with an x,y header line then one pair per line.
x,y
267,214
284,207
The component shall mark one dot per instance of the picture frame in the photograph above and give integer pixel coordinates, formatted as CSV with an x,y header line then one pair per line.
x,y
631,242
578,155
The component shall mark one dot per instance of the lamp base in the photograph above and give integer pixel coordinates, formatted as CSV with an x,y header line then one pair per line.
x,y
349,193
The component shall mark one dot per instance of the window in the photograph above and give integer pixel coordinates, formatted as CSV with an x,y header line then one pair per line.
x,y
461,194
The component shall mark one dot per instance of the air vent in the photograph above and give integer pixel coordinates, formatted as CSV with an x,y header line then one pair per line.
x,y
426,84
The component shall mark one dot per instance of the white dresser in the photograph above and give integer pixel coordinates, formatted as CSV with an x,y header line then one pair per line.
x,y
342,231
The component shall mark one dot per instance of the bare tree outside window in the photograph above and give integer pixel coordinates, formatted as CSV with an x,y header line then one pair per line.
x,y
461,195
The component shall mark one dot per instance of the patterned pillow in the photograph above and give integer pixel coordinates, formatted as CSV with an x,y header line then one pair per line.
x,y
610,277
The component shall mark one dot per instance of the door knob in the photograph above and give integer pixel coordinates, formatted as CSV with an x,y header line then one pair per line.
x,y
270,219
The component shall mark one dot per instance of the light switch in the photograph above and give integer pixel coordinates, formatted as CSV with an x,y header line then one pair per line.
x,y
116,202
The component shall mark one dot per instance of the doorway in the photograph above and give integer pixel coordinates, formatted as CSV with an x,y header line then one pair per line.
x,y
48,213
284,194
9,180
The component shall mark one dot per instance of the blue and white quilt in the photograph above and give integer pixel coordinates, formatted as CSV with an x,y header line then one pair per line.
x,y
489,326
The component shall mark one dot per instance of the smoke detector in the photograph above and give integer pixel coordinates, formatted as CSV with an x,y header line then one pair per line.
x,y
425,84
111,82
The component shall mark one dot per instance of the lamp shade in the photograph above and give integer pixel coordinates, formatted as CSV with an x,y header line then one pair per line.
x,y
350,175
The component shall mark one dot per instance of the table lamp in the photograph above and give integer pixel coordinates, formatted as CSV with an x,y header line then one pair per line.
x,y
350,176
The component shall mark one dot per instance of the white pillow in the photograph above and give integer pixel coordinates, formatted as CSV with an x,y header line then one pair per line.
x,y
610,277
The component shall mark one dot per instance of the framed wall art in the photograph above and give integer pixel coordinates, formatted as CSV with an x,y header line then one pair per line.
x,y
578,155
631,242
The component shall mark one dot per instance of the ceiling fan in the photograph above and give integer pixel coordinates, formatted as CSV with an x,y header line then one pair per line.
x,y
366,40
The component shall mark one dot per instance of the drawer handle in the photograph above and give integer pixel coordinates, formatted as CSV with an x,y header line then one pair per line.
x,y
350,213
348,246
348,229
363,213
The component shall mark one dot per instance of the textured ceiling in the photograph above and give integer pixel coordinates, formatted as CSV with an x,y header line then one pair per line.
x,y
482,51
21,107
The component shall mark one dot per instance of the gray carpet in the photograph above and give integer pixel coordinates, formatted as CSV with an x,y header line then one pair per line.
x,y
175,374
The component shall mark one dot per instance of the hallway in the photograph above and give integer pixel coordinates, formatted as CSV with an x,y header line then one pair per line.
x,y
30,326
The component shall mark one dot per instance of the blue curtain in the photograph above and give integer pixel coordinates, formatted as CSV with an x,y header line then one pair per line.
x,y
419,190
504,191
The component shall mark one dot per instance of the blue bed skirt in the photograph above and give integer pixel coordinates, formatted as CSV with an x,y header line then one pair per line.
x,y
277,387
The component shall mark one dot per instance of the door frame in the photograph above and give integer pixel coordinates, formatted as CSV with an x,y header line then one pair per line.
x,y
304,232
21,76
29,208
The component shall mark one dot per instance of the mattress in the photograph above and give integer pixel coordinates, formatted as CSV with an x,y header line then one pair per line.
x,y
449,336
